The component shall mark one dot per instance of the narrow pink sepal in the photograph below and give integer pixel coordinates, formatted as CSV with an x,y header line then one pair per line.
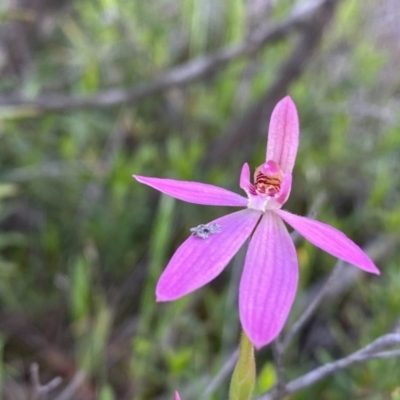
x,y
176,396
283,135
330,240
197,261
269,281
245,177
194,192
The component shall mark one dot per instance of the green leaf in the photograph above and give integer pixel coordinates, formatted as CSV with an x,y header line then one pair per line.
x,y
106,393
2,343
244,375
266,378
7,190
80,290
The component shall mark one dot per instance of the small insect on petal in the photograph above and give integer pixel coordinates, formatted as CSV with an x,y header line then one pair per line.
x,y
203,231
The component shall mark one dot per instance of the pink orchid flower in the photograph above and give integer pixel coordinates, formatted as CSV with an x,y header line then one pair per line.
x,y
270,275
176,396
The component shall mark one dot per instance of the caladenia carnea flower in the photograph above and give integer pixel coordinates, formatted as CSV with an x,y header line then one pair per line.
x,y
270,275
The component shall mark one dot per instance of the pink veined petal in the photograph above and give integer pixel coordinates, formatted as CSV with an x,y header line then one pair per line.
x,y
330,240
176,396
197,261
269,281
283,135
245,177
194,192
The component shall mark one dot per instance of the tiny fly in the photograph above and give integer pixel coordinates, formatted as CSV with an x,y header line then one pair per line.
x,y
203,231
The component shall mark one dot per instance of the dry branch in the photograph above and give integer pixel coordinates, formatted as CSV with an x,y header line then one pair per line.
x,y
243,133
40,391
25,335
369,352
176,77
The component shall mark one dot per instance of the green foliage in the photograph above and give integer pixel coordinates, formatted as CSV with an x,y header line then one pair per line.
x,y
82,240
2,343
80,291
106,393
266,378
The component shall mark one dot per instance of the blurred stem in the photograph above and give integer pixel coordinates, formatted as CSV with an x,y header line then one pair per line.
x,y
17,14
278,352
2,343
221,376
159,243
244,375
144,341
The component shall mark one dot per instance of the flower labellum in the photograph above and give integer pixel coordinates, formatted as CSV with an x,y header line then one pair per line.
x,y
269,280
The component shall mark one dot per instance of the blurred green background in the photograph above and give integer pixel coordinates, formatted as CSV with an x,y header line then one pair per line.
x,y
82,244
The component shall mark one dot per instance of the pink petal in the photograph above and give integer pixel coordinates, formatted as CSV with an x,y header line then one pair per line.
x,y
330,240
194,192
245,177
283,135
197,261
176,396
269,281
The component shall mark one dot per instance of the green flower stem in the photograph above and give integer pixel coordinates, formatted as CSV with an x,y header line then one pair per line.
x,y
244,375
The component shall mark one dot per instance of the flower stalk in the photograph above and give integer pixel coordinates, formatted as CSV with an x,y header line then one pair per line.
x,y
244,374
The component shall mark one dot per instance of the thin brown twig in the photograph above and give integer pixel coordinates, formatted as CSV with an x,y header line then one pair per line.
x,y
226,369
176,77
278,353
39,391
72,388
53,357
369,352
